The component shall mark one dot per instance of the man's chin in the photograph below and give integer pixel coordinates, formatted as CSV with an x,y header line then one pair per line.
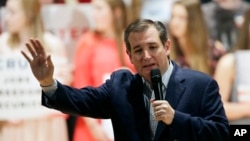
x,y
146,75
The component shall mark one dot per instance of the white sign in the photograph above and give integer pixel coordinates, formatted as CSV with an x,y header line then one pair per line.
x,y
20,93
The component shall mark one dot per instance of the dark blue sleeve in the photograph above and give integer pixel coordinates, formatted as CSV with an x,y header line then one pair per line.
x,y
88,101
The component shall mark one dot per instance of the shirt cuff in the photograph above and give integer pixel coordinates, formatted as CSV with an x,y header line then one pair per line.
x,y
50,90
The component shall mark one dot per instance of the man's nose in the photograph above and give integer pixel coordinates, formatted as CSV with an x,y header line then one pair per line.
x,y
146,55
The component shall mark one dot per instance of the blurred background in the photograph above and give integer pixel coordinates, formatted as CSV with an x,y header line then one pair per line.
x,y
86,35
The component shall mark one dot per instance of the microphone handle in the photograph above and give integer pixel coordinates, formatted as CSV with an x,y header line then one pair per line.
x,y
158,91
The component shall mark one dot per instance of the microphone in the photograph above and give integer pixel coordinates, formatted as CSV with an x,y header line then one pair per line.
x,y
157,83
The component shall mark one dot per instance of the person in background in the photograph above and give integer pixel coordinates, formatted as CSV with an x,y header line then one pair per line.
x,y
205,1
157,9
23,20
71,1
98,53
134,9
2,3
191,45
224,19
0,22
63,1
232,75
125,97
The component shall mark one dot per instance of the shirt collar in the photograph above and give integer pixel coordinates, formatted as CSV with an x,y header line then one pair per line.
x,y
166,75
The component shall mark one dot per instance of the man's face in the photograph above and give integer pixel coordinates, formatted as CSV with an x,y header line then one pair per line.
x,y
148,52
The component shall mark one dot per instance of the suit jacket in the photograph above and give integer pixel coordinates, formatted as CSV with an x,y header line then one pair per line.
x,y
199,113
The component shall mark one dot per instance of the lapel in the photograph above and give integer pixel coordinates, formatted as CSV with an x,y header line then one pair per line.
x,y
135,96
175,89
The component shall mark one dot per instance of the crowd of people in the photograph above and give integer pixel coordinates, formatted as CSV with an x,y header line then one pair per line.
x,y
211,37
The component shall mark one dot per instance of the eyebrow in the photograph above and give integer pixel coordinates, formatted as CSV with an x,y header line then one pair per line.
x,y
150,43
135,47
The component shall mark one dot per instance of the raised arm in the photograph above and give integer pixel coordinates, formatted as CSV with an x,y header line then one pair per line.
x,y
40,63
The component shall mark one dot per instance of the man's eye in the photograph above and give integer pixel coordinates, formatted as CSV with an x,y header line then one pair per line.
x,y
153,47
138,51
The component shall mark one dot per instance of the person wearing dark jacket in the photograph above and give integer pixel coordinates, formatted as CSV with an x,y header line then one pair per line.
x,y
191,108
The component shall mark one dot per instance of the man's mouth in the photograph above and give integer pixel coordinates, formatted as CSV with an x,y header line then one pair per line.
x,y
149,65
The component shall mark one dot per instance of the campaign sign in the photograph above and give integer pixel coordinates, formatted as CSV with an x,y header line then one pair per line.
x,y
20,93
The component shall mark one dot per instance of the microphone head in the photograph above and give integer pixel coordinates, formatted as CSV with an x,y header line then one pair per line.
x,y
155,75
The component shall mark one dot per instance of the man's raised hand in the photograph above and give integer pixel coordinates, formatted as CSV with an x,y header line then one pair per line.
x,y
40,64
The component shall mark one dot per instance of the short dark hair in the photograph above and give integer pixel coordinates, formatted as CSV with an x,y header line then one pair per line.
x,y
141,25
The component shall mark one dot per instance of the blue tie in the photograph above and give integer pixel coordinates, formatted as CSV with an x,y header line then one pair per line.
x,y
148,94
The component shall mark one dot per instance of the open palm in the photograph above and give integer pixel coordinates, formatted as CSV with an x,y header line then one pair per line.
x,y
41,64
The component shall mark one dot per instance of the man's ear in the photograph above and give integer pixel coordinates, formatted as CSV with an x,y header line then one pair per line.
x,y
167,47
129,55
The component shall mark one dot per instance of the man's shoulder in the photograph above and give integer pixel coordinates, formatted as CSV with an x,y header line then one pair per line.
x,y
193,79
191,74
122,73
123,77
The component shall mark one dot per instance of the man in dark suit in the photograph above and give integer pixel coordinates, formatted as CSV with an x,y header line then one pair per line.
x,y
191,110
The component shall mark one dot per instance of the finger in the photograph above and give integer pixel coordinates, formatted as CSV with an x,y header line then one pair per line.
x,y
160,109
156,103
159,114
152,100
50,64
157,108
26,56
163,107
160,118
32,52
34,45
39,47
